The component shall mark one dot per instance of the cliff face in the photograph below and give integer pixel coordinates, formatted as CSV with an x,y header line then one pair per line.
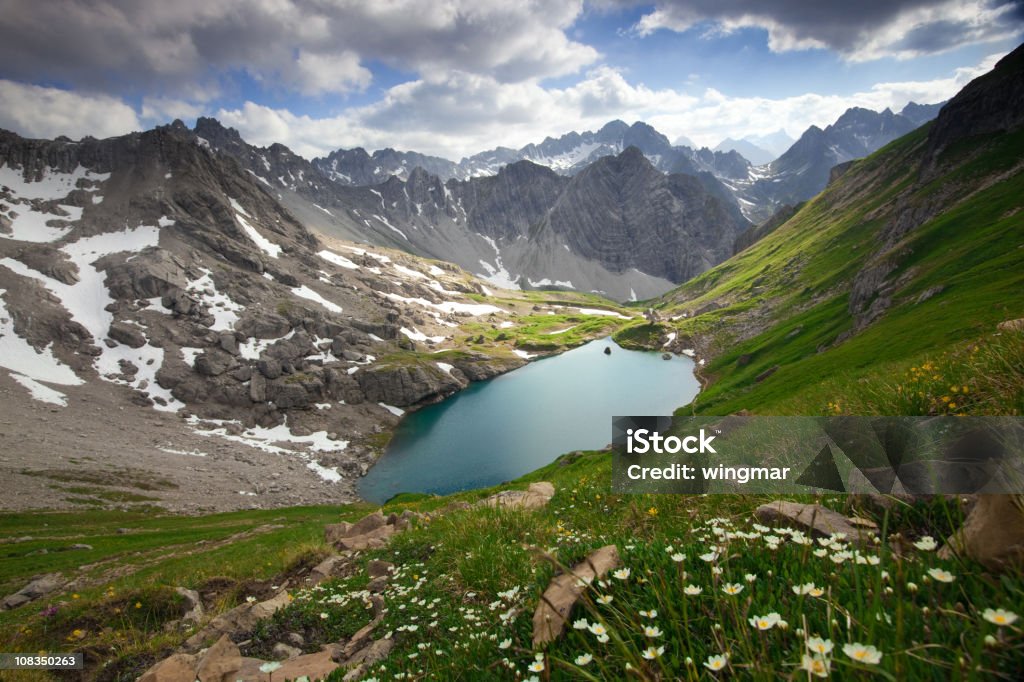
x,y
988,104
510,204
623,212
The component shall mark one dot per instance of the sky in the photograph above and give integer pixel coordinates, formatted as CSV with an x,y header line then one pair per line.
x,y
455,77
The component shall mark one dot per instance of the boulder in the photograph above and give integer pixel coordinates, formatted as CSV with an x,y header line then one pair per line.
x,y
214,362
195,604
375,539
534,497
179,302
220,663
298,346
383,330
154,272
287,395
128,334
269,367
812,518
311,666
992,533
368,656
564,591
262,324
39,587
174,668
368,523
228,343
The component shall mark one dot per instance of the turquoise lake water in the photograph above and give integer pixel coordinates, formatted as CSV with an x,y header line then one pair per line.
x,y
500,429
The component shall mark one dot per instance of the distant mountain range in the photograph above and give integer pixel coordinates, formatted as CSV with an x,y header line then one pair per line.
x,y
758,173
619,226
806,167
505,214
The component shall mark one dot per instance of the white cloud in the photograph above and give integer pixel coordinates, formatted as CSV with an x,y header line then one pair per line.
x,y
860,31
189,49
36,111
316,74
467,113
157,110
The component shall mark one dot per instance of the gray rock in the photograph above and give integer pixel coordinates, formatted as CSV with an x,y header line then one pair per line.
x,y
128,334
288,395
328,568
813,518
283,652
39,587
195,605
177,301
269,367
258,388
405,385
228,343
536,496
298,346
214,362
152,273
992,534
262,324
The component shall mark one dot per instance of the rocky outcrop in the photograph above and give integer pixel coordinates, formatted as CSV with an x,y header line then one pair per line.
x,y
407,385
242,618
373,531
537,495
223,662
990,103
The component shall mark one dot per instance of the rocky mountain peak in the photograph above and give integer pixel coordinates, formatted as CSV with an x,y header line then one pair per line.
x,y
612,130
921,113
990,103
646,138
216,133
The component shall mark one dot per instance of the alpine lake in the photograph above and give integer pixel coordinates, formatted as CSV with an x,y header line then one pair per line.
x,y
502,428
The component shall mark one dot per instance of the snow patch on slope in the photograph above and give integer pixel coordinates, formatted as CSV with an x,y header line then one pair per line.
x,y
307,293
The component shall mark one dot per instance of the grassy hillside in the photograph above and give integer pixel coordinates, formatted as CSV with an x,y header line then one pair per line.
x,y
776,319
461,602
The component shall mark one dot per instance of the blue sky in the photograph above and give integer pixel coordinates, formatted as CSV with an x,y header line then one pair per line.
x,y
454,77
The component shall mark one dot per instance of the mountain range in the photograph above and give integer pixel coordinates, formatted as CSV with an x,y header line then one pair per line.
x,y
496,217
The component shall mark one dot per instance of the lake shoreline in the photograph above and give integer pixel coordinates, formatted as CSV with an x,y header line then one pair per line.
x,y
638,385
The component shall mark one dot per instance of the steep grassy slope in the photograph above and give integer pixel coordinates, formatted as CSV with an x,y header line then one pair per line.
x,y
897,261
